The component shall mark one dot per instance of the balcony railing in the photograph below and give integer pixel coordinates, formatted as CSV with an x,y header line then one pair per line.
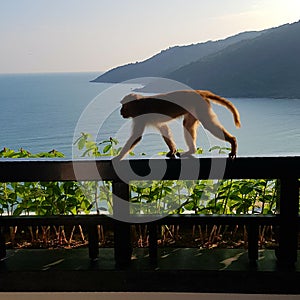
x,y
284,169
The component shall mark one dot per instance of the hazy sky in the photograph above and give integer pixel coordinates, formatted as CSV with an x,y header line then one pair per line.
x,y
95,35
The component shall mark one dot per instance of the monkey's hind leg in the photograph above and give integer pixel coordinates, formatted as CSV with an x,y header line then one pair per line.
x,y
214,126
190,125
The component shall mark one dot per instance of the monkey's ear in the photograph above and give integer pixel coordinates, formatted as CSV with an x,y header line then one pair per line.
x,y
130,97
134,96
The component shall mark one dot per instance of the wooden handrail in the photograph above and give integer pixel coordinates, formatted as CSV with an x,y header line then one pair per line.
x,y
88,169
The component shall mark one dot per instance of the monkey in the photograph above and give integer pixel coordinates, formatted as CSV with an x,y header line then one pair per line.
x,y
193,105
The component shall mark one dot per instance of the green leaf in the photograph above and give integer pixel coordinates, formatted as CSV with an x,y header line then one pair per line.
x,y
189,206
245,189
167,189
18,211
114,141
107,148
162,153
86,152
214,148
199,151
81,144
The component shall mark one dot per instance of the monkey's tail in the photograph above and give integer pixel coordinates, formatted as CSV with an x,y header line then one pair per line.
x,y
222,101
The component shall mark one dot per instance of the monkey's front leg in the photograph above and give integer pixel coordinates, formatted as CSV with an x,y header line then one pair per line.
x,y
167,136
130,144
136,136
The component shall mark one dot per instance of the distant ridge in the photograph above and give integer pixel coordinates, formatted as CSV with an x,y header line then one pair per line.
x,y
167,61
251,64
267,66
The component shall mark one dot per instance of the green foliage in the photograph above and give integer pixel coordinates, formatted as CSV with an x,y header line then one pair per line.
x,y
205,196
41,198
90,148
221,150
198,196
22,153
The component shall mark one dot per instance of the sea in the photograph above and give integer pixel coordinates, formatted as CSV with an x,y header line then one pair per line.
x,y
42,112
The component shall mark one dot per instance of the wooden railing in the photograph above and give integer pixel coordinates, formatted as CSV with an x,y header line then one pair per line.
x,y
285,169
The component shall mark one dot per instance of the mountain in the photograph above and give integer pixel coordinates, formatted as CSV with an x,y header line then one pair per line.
x,y
251,64
167,61
266,66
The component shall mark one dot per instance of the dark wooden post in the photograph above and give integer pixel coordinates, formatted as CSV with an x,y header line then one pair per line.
x,y
122,236
2,243
252,242
288,227
153,243
93,241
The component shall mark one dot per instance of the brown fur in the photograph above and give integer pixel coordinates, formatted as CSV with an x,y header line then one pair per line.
x,y
194,106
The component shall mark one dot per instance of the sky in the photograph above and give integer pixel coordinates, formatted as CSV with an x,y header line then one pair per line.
x,y
96,35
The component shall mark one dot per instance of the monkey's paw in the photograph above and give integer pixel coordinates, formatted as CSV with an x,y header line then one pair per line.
x,y
187,154
232,155
172,154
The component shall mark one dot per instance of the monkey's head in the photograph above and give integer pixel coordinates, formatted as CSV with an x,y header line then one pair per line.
x,y
129,107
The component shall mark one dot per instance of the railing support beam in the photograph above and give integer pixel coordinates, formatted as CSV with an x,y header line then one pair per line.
x,y
2,243
153,243
253,242
288,227
122,234
93,241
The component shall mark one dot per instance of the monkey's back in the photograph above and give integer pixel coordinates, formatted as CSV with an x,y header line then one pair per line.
x,y
165,107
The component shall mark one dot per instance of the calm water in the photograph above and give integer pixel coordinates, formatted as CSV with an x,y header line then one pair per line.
x,y
41,112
